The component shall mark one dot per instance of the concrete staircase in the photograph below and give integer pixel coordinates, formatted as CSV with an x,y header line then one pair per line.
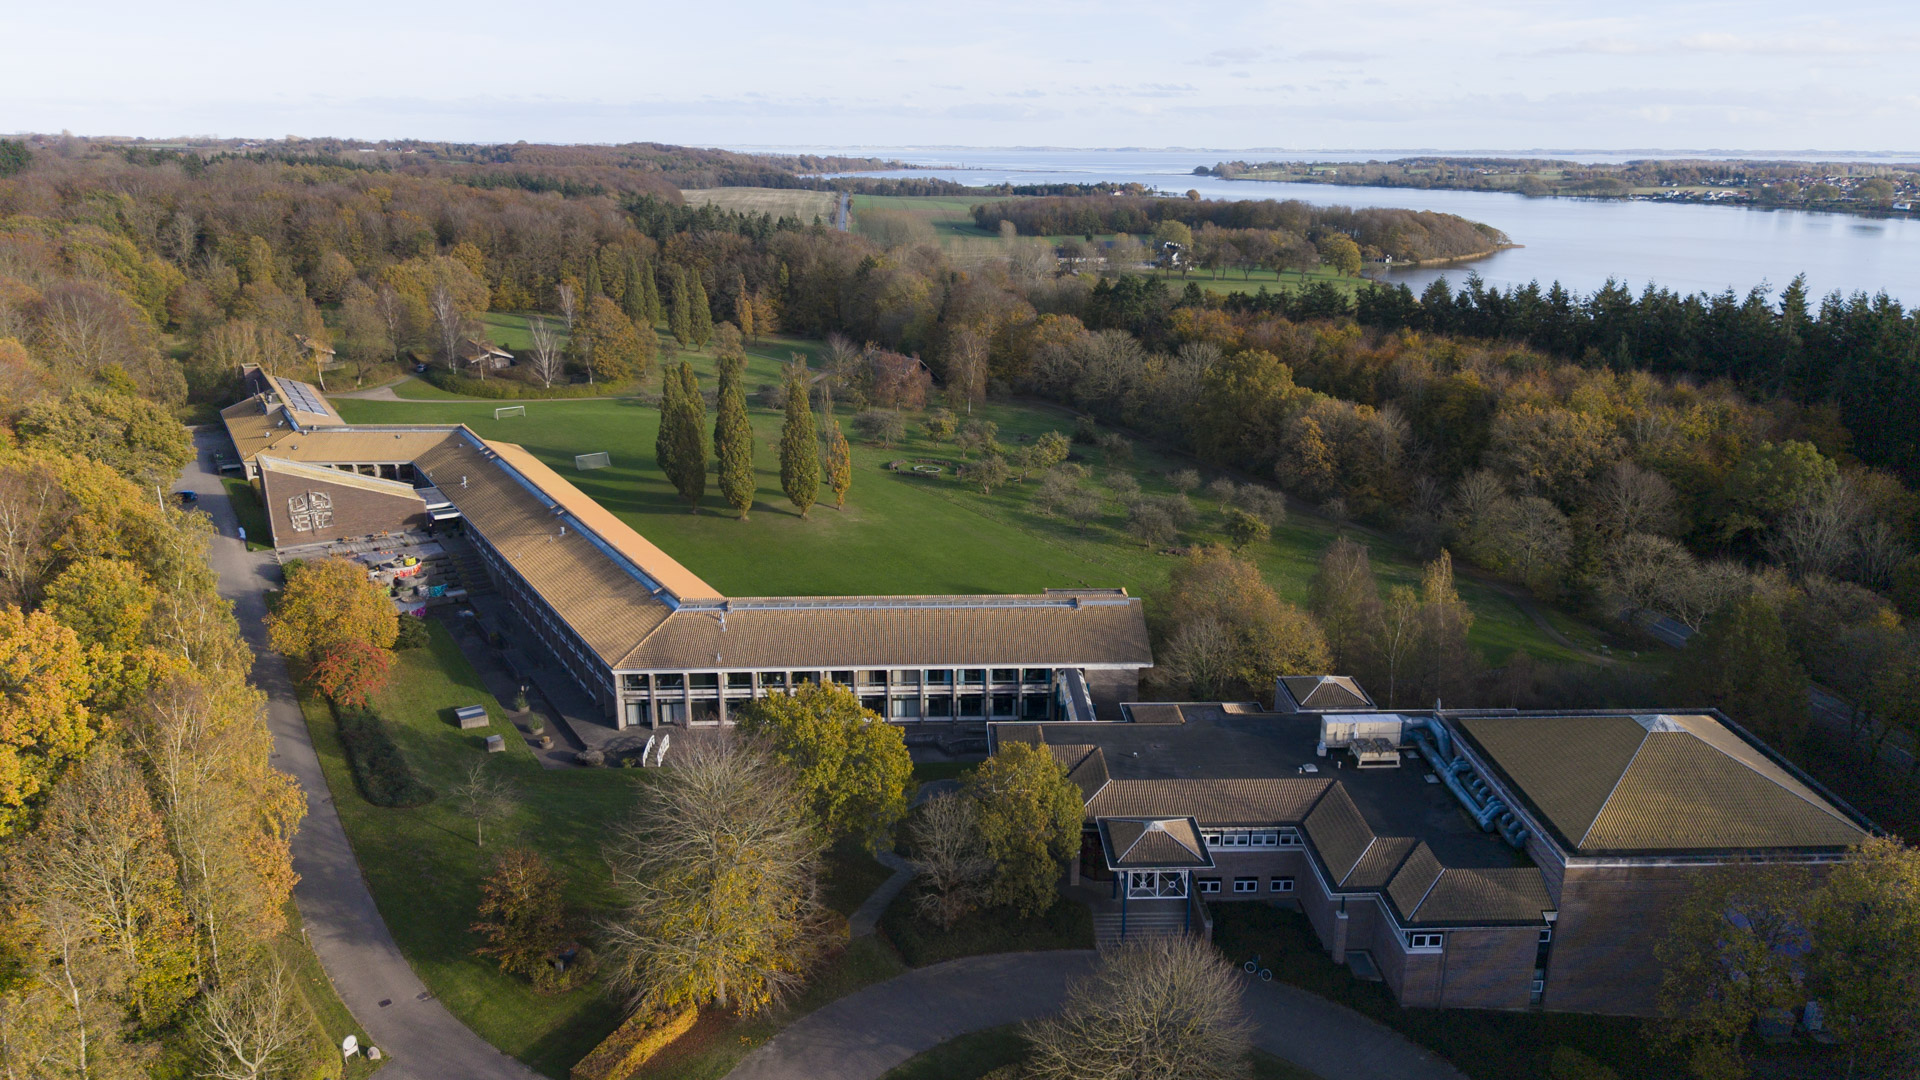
x,y
1143,922
471,572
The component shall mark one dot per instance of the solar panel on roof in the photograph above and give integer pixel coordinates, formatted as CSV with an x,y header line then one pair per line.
x,y
302,396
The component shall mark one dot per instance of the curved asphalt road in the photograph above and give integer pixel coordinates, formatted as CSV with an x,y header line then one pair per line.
x,y
865,1034
419,1036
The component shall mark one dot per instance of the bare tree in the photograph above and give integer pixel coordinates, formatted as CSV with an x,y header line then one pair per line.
x,y
449,320
967,368
1641,569
569,306
393,314
951,862
252,1027
1164,1008
1631,499
1198,659
546,351
483,797
1818,533
718,871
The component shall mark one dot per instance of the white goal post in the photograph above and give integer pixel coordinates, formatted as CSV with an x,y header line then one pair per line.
x,y
509,410
592,461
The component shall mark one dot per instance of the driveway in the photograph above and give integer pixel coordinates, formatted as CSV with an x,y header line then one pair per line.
x,y
418,1034
865,1034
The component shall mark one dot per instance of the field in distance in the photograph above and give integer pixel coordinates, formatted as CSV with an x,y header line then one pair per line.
x,y
780,202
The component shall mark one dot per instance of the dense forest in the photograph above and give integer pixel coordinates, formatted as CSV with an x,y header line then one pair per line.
x,y
1403,235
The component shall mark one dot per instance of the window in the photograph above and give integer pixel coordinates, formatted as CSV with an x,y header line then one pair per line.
x,y
1034,707
874,705
704,680
1546,935
1280,885
1289,838
1211,839
672,682
1426,941
971,705
973,676
633,682
1006,674
940,705
873,678
843,678
1538,987
940,677
739,680
1035,675
1246,884
1208,885
1264,839
906,678
906,709
1003,704
773,680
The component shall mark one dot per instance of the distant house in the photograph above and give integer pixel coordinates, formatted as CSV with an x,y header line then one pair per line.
x,y
474,354
318,351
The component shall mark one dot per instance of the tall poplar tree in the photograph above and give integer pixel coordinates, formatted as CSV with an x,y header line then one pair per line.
x,y
839,466
650,286
742,306
733,438
663,444
702,311
799,444
680,320
594,285
689,439
633,300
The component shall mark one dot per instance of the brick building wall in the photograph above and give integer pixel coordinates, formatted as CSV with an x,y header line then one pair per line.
x,y
340,510
1489,968
1610,920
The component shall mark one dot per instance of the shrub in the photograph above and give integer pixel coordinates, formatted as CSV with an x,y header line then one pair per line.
x,y
1571,1064
380,768
412,634
592,759
632,1043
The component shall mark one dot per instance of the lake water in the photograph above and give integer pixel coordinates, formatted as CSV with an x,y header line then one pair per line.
x,y
1579,242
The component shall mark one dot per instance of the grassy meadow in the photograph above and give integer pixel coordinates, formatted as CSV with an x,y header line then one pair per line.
x,y
904,533
780,202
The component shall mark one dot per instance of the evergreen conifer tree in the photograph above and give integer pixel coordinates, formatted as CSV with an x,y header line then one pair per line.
x,y
733,438
689,422
839,466
742,306
702,311
799,444
594,286
633,300
651,287
680,320
664,447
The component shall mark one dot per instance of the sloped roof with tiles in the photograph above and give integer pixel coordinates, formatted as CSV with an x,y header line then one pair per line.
x,y
1214,803
1153,843
1314,693
1656,783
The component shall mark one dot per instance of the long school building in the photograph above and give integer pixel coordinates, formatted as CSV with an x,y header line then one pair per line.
x,y
644,636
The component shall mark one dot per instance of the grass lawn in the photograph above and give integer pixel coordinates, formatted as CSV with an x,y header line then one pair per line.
x,y
424,869
1484,1045
1066,925
904,533
248,512
780,202
926,771
509,330
851,876
331,1018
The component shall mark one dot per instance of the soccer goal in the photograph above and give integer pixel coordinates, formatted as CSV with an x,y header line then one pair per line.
x,y
509,410
592,461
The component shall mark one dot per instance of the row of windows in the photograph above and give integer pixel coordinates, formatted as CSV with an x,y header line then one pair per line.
x,y
1252,838
743,680
1210,885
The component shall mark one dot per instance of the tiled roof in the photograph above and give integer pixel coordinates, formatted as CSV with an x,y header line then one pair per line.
x,y
607,607
1086,766
1656,783
1339,832
1415,878
1214,803
1153,843
1376,866
1155,712
879,631
1499,894
1315,692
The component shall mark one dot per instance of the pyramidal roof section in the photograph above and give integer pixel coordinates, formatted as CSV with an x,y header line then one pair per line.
x,y
1657,783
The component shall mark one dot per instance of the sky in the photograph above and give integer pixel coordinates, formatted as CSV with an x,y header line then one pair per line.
x,y
1306,74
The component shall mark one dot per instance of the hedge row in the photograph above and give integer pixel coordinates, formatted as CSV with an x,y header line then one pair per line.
x,y
642,1036
504,388
380,768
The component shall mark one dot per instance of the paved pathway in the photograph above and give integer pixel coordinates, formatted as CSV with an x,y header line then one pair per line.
x,y
867,916
865,1034
419,1036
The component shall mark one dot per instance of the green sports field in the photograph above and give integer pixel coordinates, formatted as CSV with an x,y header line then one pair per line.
x,y
902,533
